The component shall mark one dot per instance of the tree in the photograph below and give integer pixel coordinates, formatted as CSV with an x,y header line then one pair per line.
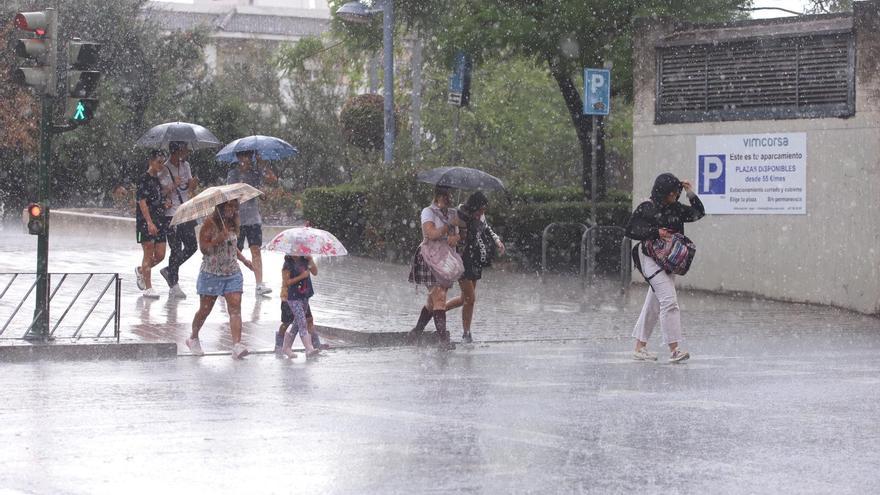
x,y
562,35
829,6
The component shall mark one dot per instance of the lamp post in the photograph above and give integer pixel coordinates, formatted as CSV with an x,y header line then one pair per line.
x,y
357,12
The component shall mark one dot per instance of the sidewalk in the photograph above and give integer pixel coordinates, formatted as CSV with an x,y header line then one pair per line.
x,y
368,296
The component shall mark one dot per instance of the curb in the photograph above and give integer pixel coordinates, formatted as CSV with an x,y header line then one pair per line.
x,y
90,351
373,339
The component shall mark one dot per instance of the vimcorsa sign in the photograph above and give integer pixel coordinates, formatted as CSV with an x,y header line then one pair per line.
x,y
752,174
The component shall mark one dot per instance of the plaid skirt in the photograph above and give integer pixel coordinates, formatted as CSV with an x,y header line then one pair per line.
x,y
420,272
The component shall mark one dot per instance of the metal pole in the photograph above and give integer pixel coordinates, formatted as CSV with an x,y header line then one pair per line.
x,y
388,46
593,190
456,126
40,329
416,98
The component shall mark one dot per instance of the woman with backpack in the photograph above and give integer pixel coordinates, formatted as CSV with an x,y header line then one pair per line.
x,y
479,245
661,217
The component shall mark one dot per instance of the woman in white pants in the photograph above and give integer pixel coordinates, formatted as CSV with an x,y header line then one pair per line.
x,y
660,217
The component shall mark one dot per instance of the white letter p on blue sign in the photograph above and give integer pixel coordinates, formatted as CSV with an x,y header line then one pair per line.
x,y
711,177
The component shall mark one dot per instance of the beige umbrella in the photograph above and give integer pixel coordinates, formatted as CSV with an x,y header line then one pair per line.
x,y
203,204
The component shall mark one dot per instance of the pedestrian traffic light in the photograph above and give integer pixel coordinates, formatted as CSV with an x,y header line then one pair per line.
x,y
39,49
36,219
82,80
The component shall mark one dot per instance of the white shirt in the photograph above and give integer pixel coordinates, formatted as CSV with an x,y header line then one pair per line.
x,y
434,214
179,194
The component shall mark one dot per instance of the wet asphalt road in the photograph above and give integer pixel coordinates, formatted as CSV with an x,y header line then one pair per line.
x,y
500,418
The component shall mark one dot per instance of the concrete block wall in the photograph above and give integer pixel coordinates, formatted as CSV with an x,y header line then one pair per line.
x,y
831,255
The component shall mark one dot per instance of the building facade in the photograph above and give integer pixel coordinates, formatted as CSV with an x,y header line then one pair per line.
x,y
777,122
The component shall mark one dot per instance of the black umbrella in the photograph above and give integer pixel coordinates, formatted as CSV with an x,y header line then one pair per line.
x,y
195,135
461,178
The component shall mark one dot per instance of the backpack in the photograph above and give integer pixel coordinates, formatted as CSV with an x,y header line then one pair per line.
x,y
673,255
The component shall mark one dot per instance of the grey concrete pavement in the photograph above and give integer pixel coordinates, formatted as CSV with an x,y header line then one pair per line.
x,y
789,415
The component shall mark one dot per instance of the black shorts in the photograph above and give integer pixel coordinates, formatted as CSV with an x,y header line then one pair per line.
x,y
287,315
253,234
143,233
472,271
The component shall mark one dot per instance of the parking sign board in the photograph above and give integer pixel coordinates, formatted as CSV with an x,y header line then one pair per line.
x,y
597,91
752,174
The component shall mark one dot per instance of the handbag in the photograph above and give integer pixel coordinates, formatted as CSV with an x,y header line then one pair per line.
x,y
673,255
444,262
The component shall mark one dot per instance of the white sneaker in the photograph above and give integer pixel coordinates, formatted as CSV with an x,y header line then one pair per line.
x,y
139,278
643,355
177,292
239,351
151,293
262,290
679,356
195,347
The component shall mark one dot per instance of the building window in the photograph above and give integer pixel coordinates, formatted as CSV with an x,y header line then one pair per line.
x,y
774,78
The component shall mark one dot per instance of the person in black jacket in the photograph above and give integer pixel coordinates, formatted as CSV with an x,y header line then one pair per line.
x,y
476,249
659,218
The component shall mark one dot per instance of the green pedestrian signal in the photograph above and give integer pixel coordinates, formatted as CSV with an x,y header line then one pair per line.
x,y
81,110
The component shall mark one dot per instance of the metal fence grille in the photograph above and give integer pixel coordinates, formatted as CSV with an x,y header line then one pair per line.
x,y
774,78
81,305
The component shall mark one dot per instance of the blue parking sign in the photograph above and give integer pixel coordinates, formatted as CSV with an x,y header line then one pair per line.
x,y
597,91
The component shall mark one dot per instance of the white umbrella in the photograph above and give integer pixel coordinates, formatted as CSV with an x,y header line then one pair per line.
x,y
307,241
203,204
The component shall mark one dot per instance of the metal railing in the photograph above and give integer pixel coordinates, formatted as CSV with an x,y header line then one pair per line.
x,y
84,303
545,243
588,262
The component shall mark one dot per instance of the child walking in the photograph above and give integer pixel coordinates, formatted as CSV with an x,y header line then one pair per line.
x,y
296,278
287,320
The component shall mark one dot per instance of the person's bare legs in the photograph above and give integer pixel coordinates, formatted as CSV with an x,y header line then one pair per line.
x,y
437,300
158,253
469,297
233,307
257,260
149,249
206,304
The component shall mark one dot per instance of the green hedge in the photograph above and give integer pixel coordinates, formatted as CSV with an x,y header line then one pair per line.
x,y
339,210
380,218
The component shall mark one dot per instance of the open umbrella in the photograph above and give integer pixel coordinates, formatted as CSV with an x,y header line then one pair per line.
x,y
461,178
203,204
307,241
195,135
270,148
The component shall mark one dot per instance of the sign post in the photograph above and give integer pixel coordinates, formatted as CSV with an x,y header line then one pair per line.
x,y
597,101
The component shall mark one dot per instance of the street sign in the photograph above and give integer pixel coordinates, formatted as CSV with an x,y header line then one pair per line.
x,y
460,81
597,91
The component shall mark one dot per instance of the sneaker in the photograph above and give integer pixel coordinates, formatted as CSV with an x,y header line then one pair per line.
x,y
177,292
262,290
413,337
151,293
679,356
313,354
139,278
195,347
466,338
165,275
239,351
643,355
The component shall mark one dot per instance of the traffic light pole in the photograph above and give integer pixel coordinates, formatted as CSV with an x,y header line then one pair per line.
x,y
40,329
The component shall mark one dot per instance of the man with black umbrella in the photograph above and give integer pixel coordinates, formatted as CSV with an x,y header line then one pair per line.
x,y
177,182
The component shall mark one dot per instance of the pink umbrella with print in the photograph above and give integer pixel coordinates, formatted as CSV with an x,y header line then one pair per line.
x,y
307,241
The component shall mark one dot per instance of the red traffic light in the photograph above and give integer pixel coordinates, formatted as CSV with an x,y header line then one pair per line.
x,y
35,210
32,21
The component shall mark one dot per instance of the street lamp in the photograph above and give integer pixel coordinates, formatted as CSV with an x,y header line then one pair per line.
x,y
358,12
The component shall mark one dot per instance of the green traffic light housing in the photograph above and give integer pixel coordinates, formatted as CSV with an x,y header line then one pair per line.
x,y
38,51
36,219
83,77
